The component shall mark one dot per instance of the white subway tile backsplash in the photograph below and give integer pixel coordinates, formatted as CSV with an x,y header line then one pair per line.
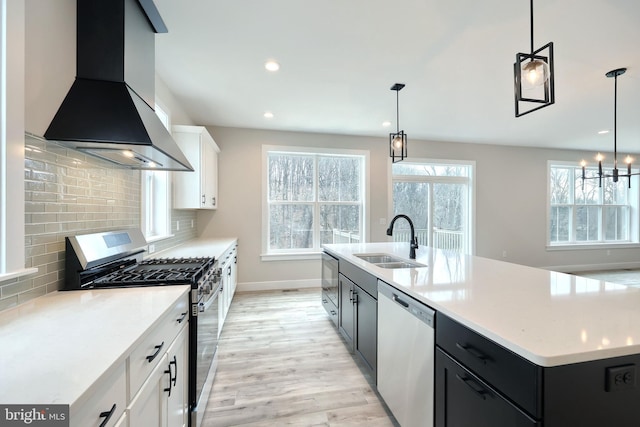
x,y
68,193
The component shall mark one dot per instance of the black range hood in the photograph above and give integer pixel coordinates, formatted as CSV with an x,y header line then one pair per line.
x,y
108,111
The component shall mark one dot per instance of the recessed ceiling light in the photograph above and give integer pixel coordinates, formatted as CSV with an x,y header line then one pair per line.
x,y
268,115
386,123
604,131
271,65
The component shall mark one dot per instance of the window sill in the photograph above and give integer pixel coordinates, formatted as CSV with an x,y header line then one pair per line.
x,y
19,273
590,246
298,256
154,239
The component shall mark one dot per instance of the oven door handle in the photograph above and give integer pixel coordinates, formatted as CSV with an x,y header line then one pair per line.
x,y
203,306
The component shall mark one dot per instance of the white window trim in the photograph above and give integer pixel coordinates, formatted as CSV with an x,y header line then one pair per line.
x,y
12,140
144,190
634,232
307,255
472,188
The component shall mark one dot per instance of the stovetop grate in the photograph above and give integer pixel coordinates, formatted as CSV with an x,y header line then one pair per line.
x,y
158,271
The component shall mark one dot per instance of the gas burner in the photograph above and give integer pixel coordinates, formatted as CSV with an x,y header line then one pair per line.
x,y
160,271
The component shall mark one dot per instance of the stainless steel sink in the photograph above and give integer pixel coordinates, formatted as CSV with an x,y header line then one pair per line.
x,y
388,261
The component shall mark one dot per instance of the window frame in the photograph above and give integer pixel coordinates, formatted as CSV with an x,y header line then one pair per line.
x,y
12,141
633,203
155,198
435,179
316,251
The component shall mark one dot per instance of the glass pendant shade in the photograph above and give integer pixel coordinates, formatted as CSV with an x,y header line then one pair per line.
x,y
534,73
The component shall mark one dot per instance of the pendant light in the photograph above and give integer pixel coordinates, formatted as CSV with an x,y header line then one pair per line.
x,y
398,140
615,173
534,77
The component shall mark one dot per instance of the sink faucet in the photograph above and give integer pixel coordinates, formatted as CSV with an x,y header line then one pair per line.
x,y
413,242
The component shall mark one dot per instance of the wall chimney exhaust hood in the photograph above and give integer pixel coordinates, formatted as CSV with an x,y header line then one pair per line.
x,y
108,111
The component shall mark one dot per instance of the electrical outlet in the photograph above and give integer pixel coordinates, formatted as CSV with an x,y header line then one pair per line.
x,y
177,225
152,248
191,223
620,378
504,254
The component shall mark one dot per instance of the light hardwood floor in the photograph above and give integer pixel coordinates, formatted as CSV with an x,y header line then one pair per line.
x,y
281,362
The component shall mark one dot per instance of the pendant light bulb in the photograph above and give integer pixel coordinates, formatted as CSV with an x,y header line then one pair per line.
x,y
535,73
397,143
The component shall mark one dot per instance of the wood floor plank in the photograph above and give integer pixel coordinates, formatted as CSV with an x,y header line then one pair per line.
x,y
283,363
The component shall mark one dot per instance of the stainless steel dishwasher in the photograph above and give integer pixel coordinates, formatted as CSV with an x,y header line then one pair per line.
x,y
406,342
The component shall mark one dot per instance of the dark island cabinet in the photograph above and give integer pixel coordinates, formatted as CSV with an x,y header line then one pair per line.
x,y
479,383
464,400
358,320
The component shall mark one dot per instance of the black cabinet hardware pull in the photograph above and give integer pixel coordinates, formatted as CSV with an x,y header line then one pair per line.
x,y
174,362
481,392
181,318
169,388
107,415
153,356
399,301
474,352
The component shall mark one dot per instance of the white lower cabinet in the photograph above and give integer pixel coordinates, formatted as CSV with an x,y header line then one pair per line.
x,y
178,400
106,404
163,399
149,387
149,406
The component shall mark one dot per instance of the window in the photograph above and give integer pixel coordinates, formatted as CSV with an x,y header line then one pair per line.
x,y
312,197
581,212
438,197
156,195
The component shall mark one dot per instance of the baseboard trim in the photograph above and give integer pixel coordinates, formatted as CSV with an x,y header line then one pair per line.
x,y
593,267
278,285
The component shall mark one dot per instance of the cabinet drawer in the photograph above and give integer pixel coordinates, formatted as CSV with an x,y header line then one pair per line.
x,y
464,400
513,375
332,310
148,353
366,281
109,396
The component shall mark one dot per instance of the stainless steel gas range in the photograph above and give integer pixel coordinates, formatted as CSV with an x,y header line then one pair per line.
x,y
115,259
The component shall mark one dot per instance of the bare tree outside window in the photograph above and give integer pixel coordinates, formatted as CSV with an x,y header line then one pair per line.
x,y
312,198
436,196
583,212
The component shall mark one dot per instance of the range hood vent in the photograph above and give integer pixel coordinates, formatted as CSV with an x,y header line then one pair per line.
x,y
108,112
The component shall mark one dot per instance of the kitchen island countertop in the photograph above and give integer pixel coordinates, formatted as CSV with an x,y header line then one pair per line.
x,y
547,317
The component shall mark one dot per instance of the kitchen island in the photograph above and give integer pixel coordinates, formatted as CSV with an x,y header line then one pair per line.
x,y
560,349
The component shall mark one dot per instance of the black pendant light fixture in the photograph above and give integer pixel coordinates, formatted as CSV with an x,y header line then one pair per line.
x,y
533,77
398,140
615,173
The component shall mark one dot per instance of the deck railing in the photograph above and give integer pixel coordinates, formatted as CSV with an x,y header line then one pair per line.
x,y
345,236
442,239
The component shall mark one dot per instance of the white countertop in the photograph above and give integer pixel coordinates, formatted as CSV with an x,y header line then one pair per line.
x,y
547,317
53,348
201,247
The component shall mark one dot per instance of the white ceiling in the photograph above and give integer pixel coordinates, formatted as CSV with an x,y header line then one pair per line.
x,y
339,59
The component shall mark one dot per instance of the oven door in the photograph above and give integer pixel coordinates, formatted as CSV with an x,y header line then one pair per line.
x,y
205,358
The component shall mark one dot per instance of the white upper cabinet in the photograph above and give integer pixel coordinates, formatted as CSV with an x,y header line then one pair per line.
x,y
197,189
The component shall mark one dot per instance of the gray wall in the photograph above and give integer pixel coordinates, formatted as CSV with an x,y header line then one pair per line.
x,y
511,192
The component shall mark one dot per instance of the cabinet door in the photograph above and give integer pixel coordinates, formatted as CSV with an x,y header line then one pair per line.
x,y
463,400
178,400
366,337
346,319
149,406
